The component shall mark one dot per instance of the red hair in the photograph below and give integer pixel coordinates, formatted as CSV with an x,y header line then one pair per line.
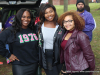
x,y
78,20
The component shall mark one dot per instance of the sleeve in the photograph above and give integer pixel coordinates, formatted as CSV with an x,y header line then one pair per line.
x,y
87,51
89,23
3,40
95,24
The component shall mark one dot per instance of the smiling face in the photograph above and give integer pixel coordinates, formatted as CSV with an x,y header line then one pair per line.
x,y
69,23
49,14
25,19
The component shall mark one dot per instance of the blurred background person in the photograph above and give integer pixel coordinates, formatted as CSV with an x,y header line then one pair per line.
x,y
89,21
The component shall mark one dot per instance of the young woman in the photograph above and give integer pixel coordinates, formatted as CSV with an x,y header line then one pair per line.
x,y
50,35
76,50
23,42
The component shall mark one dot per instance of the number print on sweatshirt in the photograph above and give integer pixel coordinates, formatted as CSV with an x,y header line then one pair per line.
x,y
27,37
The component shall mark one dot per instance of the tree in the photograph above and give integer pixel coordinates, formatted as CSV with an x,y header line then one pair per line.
x,y
86,2
50,1
65,5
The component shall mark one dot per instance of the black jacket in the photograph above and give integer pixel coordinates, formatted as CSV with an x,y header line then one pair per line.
x,y
56,47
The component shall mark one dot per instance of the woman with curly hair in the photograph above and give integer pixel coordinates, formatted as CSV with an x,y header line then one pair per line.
x,y
23,43
76,50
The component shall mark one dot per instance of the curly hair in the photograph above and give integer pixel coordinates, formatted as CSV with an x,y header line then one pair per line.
x,y
42,13
87,8
17,25
78,20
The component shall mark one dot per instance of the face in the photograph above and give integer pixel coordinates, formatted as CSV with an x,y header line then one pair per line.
x,y
49,14
80,7
25,19
69,23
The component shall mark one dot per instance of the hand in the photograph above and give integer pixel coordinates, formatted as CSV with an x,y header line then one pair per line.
x,y
63,72
2,29
13,58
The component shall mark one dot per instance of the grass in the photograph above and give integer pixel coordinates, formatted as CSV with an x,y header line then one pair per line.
x,y
5,69
95,44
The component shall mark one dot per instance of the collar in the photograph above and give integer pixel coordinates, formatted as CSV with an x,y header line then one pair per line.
x,y
74,34
71,39
83,12
43,27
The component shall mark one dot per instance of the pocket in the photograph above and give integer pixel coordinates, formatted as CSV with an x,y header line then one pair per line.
x,y
75,60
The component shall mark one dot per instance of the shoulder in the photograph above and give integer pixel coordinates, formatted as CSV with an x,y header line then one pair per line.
x,y
60,30
7,32
59,27
83,40
37,25
87,13
9,29
82,36
80,33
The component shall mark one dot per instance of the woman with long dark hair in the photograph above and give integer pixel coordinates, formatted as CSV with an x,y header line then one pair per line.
x,y
50,35
23,43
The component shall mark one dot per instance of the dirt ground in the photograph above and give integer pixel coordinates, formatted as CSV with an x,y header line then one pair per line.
x,y
6,69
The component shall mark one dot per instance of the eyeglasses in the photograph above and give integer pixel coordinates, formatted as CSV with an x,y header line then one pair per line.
x,y
69,21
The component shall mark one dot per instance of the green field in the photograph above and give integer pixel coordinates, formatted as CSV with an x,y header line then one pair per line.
x,y
6,69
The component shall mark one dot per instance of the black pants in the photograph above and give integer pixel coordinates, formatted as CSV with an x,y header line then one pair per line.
x,y
25,70
51,70
55,70
78,73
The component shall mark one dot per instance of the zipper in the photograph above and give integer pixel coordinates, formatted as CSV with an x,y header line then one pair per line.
x,y
70,61
55,35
